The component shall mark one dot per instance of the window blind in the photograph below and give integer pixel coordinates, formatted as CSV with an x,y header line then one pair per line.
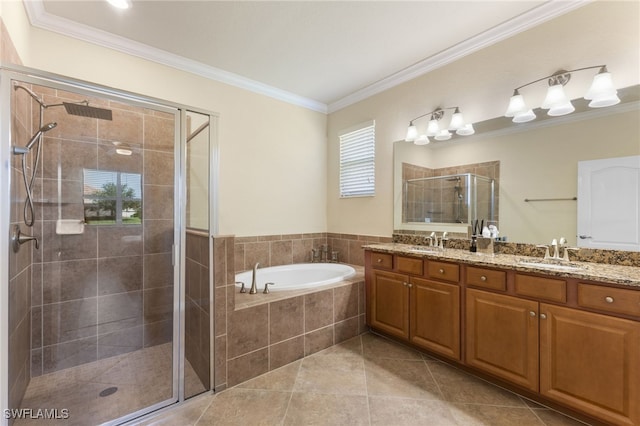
x,y
357,161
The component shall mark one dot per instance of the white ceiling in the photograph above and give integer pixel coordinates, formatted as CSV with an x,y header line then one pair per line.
x,y
320,54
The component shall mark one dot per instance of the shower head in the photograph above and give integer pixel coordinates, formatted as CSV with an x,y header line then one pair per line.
x,y
40,131
84,110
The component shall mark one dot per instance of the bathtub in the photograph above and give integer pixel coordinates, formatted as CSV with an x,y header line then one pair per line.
x,y
297,276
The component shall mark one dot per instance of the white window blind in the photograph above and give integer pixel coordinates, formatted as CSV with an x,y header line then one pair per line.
x,y
357,161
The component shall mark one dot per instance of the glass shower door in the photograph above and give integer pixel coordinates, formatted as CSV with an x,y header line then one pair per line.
x,y
92,335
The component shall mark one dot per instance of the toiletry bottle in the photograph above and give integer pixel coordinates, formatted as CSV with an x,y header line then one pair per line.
x,y
473,247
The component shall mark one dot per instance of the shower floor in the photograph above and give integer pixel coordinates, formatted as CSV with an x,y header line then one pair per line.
x,y
142,378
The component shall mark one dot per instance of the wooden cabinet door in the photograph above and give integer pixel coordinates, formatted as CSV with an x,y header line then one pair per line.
x,y
591,362
390,303
435,317
502,336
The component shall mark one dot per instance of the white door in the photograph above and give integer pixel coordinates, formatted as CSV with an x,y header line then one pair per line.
x,y
609,203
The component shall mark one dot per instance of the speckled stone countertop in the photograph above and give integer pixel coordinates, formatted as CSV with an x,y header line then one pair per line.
x,y
612,274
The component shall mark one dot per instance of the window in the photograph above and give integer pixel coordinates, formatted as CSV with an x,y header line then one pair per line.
x,y
112,197
357,161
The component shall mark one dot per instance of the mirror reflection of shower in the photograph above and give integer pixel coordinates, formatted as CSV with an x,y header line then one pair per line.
x,y
82,109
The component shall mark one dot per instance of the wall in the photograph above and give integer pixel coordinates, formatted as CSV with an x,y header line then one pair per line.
x,y
481,84
272,154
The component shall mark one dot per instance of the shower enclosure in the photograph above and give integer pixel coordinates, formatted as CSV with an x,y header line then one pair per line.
x,y
94,215
458,198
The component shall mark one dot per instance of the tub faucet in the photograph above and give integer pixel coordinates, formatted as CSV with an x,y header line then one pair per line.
x,y
254,287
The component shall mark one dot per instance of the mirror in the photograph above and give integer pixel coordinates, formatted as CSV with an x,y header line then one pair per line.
x,y
538,166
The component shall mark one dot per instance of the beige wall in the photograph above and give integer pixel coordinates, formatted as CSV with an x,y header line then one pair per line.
x,y
481,84
272,154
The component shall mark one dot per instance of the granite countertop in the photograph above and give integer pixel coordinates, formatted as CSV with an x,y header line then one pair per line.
x,y
612,274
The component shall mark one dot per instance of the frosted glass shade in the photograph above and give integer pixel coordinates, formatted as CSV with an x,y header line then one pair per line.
x,y
525,116
433,128
605,99
602,84
422,140
555,97
466,130
443,135
561,109
412,133
457,121
516,105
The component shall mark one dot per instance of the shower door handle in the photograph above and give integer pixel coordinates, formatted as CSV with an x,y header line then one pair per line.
x,y
18,238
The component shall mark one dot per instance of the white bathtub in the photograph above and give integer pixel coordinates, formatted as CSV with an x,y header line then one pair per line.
x,y
297,276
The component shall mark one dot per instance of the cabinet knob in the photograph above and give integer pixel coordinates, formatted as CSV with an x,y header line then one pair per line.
x,y
608,299
410,285
543,316
379,260
441,271
483,278
532,314
405,284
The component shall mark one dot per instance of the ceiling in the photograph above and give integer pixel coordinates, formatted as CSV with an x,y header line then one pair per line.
x,y
323,55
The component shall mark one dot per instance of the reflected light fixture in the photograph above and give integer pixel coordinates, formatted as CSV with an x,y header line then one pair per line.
x,y
602,93
120,4
457,124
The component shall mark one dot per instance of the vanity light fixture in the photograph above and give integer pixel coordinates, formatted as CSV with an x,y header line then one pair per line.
x,y
457,124
602,93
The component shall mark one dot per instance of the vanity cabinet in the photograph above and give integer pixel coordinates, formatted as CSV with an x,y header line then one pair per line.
x,y
572,342
406,303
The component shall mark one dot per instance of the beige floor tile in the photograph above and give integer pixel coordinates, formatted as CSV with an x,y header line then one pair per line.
x,y
458,386
351,347
400,378
553,418
281,379
331,374
323,409
374,346
246,407
386,411
491,415
185,415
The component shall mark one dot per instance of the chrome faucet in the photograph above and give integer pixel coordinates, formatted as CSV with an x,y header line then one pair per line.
x,y
254,287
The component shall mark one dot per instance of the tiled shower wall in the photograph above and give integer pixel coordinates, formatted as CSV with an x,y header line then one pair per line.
x,y
260,338
108,290
197,312
20,264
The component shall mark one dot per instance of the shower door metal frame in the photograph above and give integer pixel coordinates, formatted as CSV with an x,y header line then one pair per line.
x,y
15,72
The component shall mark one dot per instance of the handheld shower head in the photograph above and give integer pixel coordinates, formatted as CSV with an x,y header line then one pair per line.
x,y
40,131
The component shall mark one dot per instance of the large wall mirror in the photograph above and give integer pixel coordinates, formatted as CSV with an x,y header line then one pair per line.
x,y
538,166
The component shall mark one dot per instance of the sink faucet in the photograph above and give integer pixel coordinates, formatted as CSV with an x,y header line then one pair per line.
x,y
254,287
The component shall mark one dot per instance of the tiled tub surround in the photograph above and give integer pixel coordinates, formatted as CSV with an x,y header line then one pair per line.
x,y
109,290
258,333
610,257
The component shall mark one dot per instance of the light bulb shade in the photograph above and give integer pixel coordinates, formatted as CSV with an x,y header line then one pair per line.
x,y
433,128
466,130
555,97
525,116
516,105
602,85
443,135
412,133
457,120
605,99
422,140
561,109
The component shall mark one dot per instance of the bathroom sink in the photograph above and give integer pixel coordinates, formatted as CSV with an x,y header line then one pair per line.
x,y
551,266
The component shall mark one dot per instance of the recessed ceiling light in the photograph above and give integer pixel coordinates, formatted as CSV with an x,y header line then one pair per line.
x,y
120,4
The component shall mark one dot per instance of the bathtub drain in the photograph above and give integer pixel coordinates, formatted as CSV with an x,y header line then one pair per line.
x,y
109,391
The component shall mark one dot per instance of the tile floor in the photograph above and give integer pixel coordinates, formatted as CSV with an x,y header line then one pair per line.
x,y
367,380
143,378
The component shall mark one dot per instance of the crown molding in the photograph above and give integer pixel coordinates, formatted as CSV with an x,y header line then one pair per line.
x,y
523,22
40,18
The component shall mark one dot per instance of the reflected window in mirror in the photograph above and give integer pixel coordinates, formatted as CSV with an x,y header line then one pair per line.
x,y
112,198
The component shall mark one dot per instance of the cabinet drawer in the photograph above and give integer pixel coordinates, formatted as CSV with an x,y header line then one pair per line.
x,y
382,260
486,278
443,271
409,265
616,300
541,288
